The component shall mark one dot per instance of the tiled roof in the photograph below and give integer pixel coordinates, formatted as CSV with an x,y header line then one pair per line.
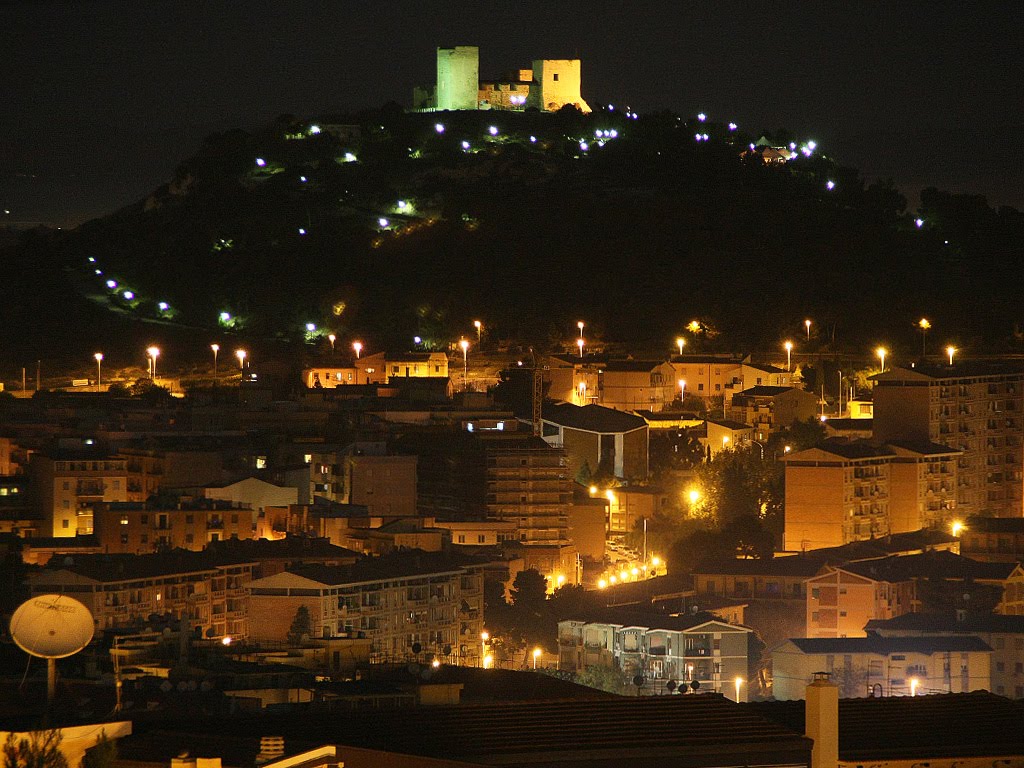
x,y
248,550
893,544
856,449
762,390
650,619
123,567
932,564
937,623
706,730
395,565
736,426
916,728
885,645
996,524
793,565
923,447
591,418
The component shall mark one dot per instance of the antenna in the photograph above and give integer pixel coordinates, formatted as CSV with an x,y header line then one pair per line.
x,y
52,627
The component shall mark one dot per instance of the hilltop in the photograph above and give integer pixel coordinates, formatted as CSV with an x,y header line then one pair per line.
x,y
385,225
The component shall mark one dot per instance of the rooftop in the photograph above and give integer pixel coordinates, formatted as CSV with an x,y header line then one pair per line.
x,y
390,566
947,725
649,619
943,623
996,525
908,542
762,390
884,646
844,449
928,565
591,418
795,565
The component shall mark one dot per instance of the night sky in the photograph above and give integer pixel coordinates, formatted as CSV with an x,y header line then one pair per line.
x,y
102,99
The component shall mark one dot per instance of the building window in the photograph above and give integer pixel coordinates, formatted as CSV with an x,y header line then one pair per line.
x,y
190,518
189,538
144,519
480,540
64,524
116,485
555,77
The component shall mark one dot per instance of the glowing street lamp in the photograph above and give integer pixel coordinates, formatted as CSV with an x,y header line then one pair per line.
x,y
153,353
914,683
680,342
216,349
951,351
924,325
358,347
240,354
738,682
881,352
479,330
464,343
694,496
580,325
694,326
332,338
956,528
682,390
98,357
536,655
725,442
579,343
807,325
789,355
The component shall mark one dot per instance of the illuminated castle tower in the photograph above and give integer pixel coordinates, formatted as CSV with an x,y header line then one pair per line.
x,y
458,77
556,82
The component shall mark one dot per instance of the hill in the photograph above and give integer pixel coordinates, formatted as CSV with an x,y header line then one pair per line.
x,y
386,225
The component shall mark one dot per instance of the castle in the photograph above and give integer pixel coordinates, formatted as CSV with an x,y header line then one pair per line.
x,y
548,86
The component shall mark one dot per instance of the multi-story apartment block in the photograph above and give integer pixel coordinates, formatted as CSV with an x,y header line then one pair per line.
x,y
841,602
408,603
601,438
768,409
365,474
685,649
142,527
882,666
997,539
67,483
1005,635
125,590
151,470
922,487
836,493
973,407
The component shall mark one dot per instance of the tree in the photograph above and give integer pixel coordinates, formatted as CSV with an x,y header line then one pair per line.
x,y
302,626
40,750
529,590
602,678
102,755
584,476
529,614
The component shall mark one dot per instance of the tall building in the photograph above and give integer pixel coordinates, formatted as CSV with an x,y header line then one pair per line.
x,y
458,77
974,407
67,483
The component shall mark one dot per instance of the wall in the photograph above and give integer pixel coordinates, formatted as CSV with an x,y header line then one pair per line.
x,y
814,507
559,81
458,77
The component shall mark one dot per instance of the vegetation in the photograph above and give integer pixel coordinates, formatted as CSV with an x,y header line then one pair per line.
x,y
40,750
301,628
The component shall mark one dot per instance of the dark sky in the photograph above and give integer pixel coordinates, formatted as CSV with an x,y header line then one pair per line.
x,y
100,99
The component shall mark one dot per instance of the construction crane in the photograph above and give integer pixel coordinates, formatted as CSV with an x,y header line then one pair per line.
x,y
537,398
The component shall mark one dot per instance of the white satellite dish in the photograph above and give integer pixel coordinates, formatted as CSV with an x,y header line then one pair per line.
x,y
52,627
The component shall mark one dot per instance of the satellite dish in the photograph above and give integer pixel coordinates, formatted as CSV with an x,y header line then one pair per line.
x,y
52,626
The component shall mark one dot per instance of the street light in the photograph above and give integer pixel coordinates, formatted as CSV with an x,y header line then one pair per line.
x,y
951,351
536,655
694,326
153,353
682,390
580,326
924,325
738,681
680,342
882,352
807,325
240,354
479,330
579,343
789,355
98,357
465,364
216,349
956,528
694,496
914,682
332,338
358,347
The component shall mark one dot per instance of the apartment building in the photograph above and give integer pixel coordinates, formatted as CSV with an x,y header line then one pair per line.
x,y
768,408
600,438
125,590
368,475
138,527
708,375
67,483
152,469
922,486
996,539
840,602
683,649
409,604
883,666
975,407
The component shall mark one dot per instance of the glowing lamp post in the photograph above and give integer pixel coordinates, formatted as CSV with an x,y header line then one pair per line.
x,y
680,342
956,528
332,338
479,330
694,496
951,351
465,364
358,347
682,390
738,682
579,343
882,352
924,325
789,355
240,354
98,357
807,325
215,348
153,353
536,655
914,683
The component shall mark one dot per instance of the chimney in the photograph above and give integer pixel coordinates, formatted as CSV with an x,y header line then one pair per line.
x,y
271,748
821,722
